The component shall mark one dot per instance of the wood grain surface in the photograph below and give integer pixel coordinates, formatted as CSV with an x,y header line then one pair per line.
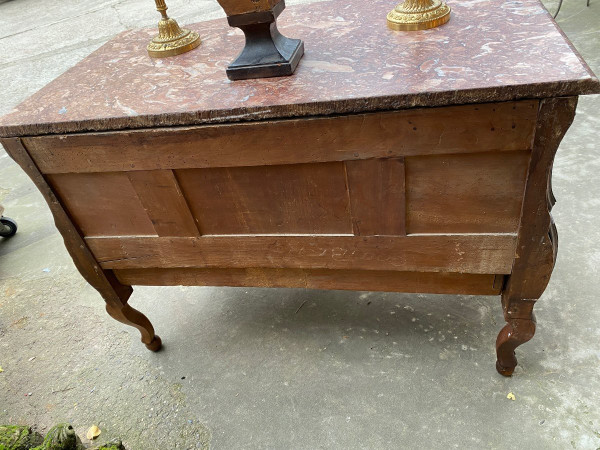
x,y
482,254
165,205
102,204
465,193
295,198
538,241
377,196
104,281
456,129
356,280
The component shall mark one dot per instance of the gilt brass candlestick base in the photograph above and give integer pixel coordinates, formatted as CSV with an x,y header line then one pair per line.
x,y
171,39
418,15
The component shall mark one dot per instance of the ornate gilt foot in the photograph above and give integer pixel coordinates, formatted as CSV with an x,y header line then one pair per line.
x,y
171,39
515,333
130,316
412,15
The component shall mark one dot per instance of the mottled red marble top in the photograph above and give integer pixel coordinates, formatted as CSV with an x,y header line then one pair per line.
x,y
489,51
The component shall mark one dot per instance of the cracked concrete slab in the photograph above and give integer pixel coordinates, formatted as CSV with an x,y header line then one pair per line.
x,y
245,368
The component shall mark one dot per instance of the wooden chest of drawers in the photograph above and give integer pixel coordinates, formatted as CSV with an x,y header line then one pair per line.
x,y
363,171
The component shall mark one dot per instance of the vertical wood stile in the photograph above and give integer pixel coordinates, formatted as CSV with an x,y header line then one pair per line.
x,y
377,192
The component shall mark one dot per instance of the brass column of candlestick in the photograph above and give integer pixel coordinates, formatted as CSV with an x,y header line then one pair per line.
x,y
171,39
418,15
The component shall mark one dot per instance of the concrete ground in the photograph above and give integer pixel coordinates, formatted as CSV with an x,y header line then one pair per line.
x,y
246,368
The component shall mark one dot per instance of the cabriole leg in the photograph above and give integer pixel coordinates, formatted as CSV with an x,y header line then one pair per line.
x,y
515,332
537,240
105,282
131,316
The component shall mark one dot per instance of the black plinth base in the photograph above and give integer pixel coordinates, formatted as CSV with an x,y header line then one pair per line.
x,y
267,52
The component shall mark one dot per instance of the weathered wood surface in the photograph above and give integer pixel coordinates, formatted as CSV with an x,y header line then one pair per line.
x,y
114,293
165,205
457,129
465,193
377,196
103,281
484,254
537,237
459,193
102,204
295,198
355,280
536,248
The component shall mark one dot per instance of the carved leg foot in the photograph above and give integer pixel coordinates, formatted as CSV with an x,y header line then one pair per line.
x,y
515,333
130,316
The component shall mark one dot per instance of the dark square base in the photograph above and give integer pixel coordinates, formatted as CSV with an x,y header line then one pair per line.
x,y
268,60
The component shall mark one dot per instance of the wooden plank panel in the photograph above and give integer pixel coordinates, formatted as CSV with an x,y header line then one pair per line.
x,y
538,238
454,129
163,201
102,204
293,199
450,253
470,193
104,281
354,280
376,188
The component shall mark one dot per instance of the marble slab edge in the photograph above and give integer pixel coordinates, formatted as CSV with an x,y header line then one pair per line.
x,y
329,108
582,83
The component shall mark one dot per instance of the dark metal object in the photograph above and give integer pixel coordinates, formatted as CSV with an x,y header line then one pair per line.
x,y
8,227
267,52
